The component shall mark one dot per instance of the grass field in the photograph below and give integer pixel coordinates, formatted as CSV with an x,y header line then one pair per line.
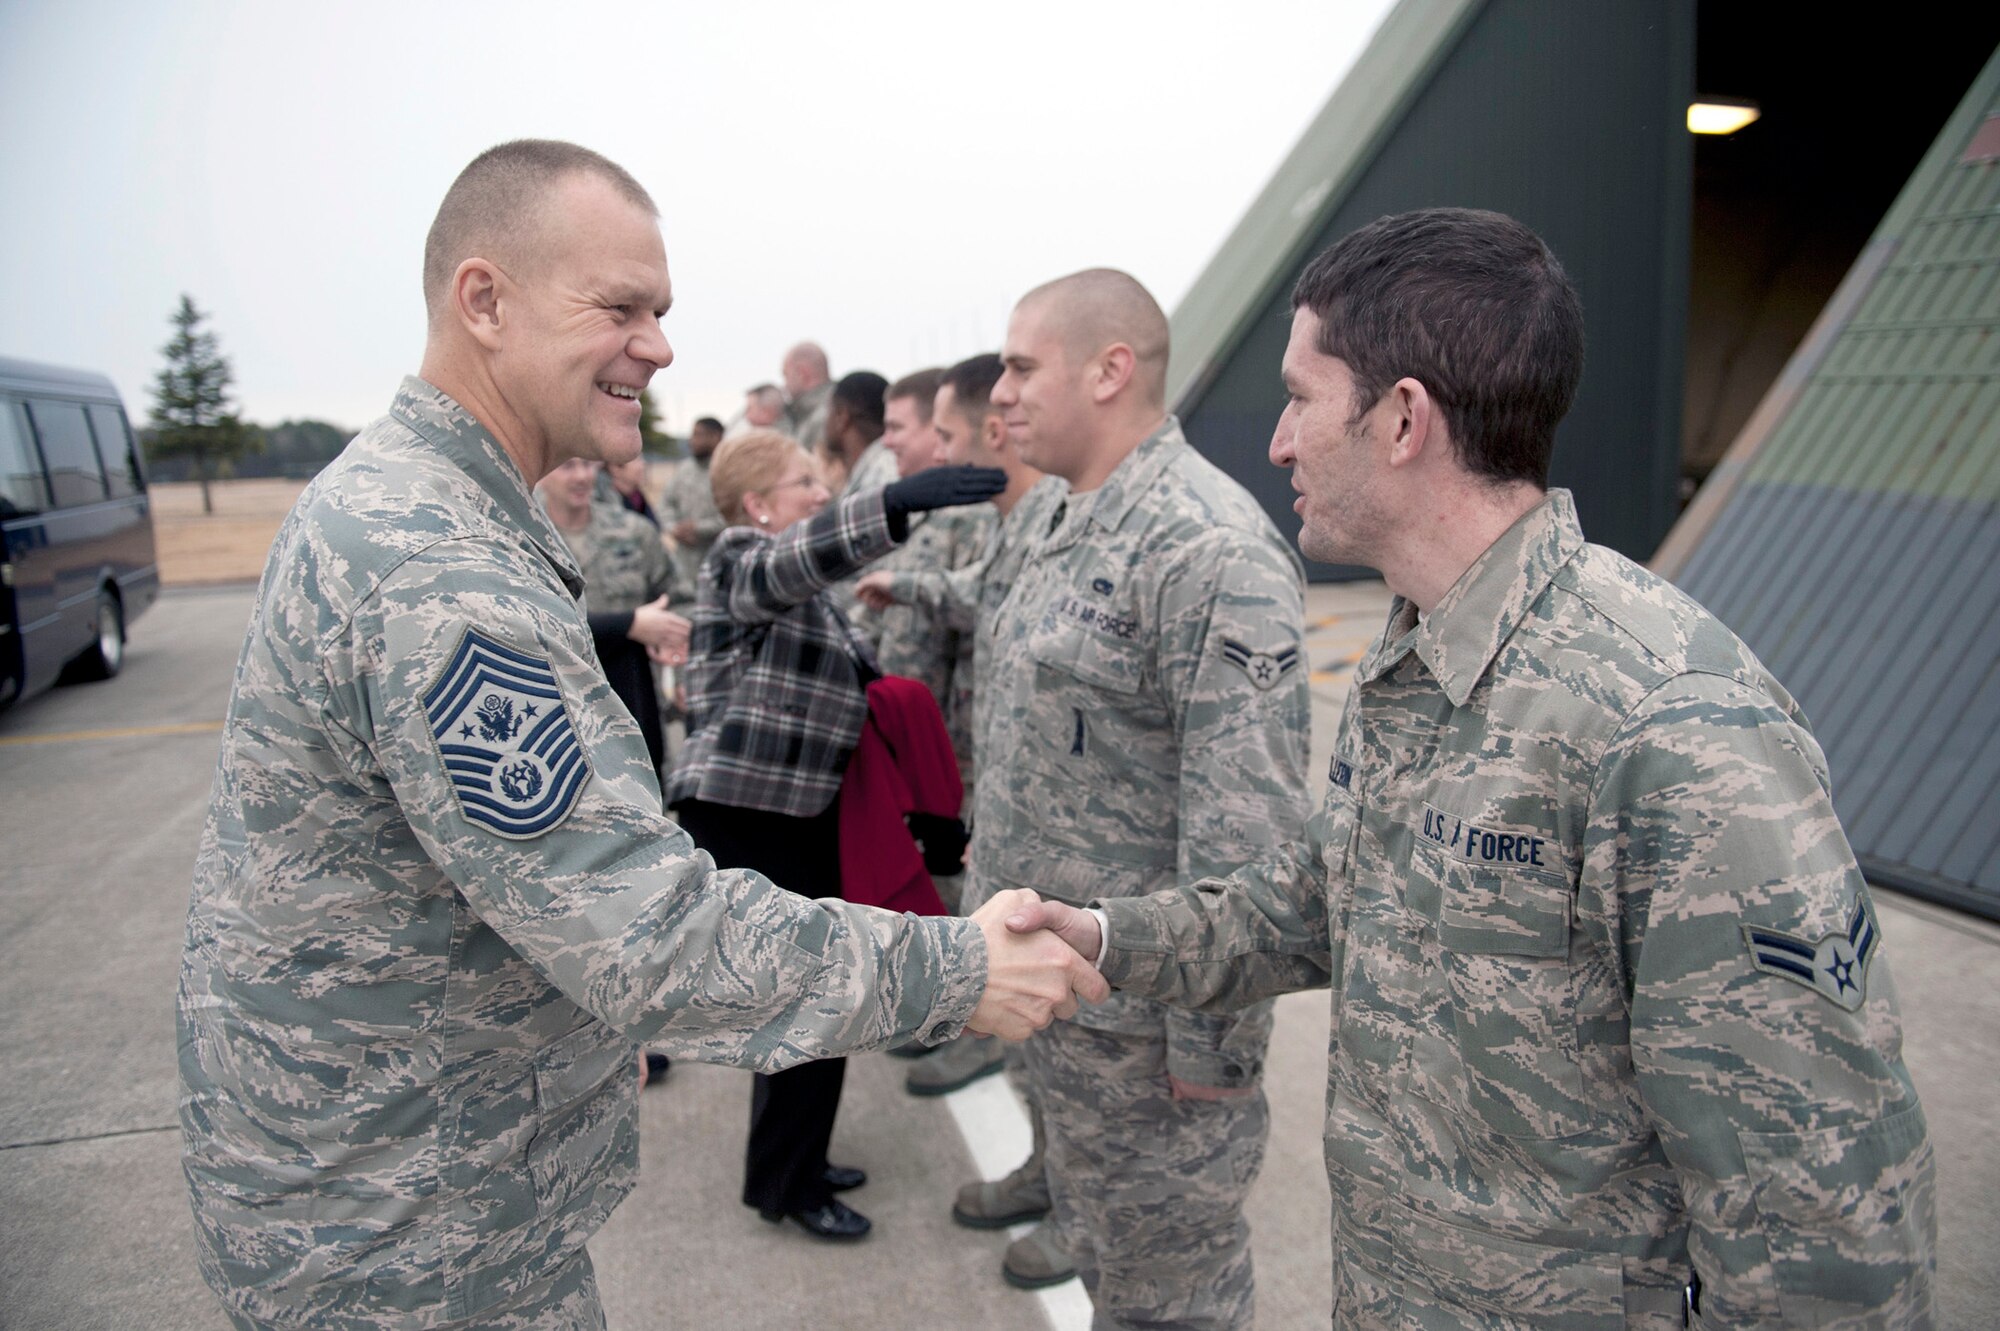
x,y
229,545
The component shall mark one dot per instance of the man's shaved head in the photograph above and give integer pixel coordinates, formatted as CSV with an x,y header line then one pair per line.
x,y
805,366
1097,307
494,210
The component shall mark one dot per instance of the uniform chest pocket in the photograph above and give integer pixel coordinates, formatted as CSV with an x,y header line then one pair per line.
x,y
1096,643
1504,963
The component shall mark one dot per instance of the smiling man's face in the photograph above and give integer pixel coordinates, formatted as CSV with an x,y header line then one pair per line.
x,y
581,324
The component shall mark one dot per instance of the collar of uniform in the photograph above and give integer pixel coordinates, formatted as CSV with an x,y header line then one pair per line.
x,y
457,434
1128,483
1464,631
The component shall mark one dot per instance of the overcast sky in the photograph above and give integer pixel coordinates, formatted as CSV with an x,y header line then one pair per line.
x,y
885,178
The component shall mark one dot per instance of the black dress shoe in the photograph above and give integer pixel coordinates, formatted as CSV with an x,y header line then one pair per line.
x,y
656,1067
836,1220
841,1178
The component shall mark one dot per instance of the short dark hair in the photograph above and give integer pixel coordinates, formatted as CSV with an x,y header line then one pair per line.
x,y
862,394
920,386
1473,306
971,382
496,198
708,423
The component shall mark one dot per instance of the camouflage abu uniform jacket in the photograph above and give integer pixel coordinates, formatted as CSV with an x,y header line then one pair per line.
x,y
917,642
875,468
436,903
1608,1006
1149,721
805,415
689,497
969,599
624,566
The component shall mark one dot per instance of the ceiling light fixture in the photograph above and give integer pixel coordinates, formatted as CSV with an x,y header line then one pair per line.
x,y
1720,115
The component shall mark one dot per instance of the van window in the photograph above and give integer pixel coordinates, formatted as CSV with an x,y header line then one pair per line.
x,y
22,487
75,475
114,447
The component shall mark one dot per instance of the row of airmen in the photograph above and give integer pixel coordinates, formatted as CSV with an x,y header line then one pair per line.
x,y
1645,1073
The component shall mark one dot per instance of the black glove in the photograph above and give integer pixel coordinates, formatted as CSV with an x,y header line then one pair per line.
x,y
942,841
942,487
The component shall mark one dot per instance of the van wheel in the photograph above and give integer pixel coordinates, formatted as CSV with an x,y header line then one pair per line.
x,y
106,656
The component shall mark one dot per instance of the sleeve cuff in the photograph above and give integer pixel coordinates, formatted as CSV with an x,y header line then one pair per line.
x,y
1123,939
962,979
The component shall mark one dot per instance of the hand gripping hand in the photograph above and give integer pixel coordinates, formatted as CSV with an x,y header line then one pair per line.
x,y
1079,929
942,487
873,590
1076,927
1031,977
663,633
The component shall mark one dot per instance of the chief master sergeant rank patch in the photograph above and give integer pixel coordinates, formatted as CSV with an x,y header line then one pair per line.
x,y
505,737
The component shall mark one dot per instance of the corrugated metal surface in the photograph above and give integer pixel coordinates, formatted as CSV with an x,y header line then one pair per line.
x,y
1854,540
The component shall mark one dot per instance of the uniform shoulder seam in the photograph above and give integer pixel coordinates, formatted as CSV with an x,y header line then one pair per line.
x,y
1566,580
1645,699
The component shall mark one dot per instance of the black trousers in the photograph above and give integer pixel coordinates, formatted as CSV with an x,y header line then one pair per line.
x,y
791,1112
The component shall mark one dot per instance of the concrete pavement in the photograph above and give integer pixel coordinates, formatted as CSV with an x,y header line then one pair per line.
x,y
102,792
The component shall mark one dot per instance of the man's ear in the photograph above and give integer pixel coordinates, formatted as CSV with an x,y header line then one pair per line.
x,y
993,432
1110,371
475,300
1414,425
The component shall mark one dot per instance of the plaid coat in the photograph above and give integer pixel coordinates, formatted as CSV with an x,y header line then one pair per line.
x,y
774,697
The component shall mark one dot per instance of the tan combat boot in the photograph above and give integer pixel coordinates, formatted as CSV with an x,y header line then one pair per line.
x,y
1038,1259
1022,1195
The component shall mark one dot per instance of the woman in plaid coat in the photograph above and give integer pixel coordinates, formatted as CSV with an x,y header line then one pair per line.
x,y
776,699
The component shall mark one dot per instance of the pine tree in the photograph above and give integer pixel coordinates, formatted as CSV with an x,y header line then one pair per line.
x,y
192,415
652,439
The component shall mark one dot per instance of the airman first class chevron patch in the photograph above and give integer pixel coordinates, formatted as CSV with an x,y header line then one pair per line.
x,y
1264,668
1836,965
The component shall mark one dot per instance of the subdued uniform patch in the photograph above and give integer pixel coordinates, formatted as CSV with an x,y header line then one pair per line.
x,y
1264,668
1834,965
505,737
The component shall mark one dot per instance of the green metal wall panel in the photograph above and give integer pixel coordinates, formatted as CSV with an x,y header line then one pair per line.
x,y
1859,550
1569,117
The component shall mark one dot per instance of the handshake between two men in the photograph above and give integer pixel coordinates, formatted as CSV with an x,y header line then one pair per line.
x,y
1040,962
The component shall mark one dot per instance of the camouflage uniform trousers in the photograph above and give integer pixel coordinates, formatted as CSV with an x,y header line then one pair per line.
x,y
1148,1190
565,1301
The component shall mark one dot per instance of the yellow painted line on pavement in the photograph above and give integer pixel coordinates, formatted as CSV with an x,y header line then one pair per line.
x,y
121,732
